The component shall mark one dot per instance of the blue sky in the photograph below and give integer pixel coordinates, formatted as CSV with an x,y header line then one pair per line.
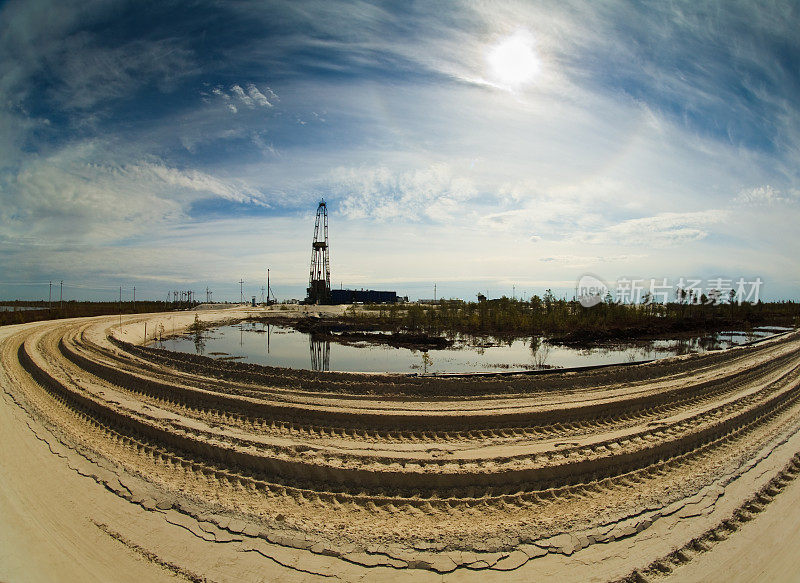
x,y
483,147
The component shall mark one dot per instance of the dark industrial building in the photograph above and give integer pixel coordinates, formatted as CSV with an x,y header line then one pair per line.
x,y
364,296
319,279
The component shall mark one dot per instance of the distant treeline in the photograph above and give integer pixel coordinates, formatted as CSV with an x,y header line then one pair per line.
x,y
568,321
20,312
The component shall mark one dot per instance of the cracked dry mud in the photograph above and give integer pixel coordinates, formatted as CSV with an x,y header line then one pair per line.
x,y
205,469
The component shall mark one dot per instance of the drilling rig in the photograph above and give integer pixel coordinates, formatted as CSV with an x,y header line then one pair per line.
x,y
319,279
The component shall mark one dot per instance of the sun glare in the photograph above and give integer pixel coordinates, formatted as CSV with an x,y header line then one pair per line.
x,y
513,62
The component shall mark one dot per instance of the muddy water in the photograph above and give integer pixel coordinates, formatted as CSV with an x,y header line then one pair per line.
x,y
265,344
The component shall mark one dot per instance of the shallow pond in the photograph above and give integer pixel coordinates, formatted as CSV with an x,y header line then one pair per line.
x,y
260,343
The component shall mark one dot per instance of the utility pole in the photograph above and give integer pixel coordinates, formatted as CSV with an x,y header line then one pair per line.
x,y
61,296
241,291
134,299
434,293
50,297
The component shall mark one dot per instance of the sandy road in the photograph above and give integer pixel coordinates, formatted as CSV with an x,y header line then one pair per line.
x,y
175,465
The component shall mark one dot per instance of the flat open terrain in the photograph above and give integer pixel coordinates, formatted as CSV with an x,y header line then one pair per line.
x,y
122,462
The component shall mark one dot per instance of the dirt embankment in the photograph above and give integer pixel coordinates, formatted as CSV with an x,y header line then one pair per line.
x,y
346,332
670,330
369,327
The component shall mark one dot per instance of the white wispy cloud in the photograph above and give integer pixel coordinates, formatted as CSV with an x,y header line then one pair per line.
x,y
434,192
663,230
766,195
225,98
75,195
257,97
591,260
240,94
192,180
237,97
92,74
84,72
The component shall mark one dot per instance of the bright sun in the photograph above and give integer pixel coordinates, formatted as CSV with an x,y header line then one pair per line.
x,y
513,61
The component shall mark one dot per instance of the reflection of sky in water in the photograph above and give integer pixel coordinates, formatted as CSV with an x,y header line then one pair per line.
x,y
279,346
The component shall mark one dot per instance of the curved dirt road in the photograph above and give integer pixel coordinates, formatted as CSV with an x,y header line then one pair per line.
x,y
126,460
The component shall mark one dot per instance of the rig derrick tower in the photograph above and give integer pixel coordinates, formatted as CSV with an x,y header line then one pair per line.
x,y
319,280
